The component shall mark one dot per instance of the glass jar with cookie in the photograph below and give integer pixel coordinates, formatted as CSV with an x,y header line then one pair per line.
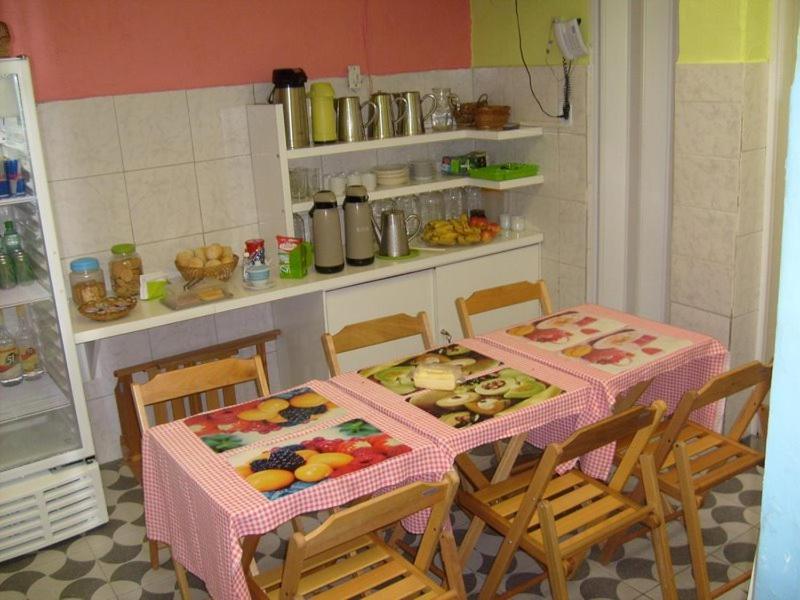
x,y
125,268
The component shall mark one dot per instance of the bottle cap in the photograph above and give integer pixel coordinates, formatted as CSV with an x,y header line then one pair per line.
x,y
84,264
123,248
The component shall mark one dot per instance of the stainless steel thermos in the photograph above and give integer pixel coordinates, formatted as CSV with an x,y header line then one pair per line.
x,y
290,91
359,246
327,227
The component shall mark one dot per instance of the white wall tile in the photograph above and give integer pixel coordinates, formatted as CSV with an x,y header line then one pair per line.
x,y
694,319
709,82
754,114
572,166
747,277
219,121
234,237
80,138
116,353
744,332
550,276
104,423
160,256
571,285
706,182
163,203
572,232
751,193
182,337
544,214
704,234
702,284
234,324
154,129
708,128
225,188
91,214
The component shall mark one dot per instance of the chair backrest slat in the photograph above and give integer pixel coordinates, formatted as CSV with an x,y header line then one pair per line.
x,y
194,381
500,297
374,332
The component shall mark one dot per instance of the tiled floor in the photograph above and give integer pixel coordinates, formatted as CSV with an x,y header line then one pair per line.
x,y
112,561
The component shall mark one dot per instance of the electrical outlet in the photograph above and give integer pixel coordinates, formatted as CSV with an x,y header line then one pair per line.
x,y
354,77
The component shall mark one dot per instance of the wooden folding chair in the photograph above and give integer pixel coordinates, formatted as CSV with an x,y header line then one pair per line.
x,y
499,297
190,387
557,518
345,557
692,460
374,332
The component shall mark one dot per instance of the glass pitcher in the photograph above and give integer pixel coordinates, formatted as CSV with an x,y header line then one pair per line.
x,y
442,118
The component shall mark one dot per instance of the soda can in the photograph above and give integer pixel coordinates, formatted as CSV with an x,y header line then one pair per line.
x,y
7,278
255,251
22,267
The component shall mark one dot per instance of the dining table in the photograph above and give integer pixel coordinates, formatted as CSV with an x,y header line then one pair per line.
x,y
213,478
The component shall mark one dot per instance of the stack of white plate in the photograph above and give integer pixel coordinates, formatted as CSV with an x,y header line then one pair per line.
x,y
422,170
392,174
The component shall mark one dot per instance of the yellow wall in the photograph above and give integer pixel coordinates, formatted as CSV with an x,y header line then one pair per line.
x,y
724,31
494,30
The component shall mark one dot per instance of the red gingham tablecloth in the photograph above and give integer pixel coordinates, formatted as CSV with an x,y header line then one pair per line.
x,y
197,503
673,373
552,420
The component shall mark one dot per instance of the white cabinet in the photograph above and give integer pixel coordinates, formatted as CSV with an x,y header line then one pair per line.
x,y
463,278
408,294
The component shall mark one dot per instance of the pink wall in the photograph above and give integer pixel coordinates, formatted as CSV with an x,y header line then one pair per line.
x,y
82,48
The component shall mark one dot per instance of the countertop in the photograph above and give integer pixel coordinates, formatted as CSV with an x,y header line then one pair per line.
x,y
149,314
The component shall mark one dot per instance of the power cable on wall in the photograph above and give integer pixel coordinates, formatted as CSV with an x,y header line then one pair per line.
x,y
566,65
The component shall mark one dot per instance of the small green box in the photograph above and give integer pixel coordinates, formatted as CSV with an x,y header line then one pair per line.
x,y
505,171
294,257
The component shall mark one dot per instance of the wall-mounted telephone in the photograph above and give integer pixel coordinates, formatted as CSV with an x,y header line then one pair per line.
x,y
569,39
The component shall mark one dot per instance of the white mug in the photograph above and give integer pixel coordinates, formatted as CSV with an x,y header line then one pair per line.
x,y
354,178
338,183
369,181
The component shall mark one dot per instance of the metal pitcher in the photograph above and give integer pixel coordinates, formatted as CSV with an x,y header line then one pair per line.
x,y
393,234
348,114
384,122
413,123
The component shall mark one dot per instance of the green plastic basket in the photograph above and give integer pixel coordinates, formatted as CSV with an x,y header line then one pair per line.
x,y
505,171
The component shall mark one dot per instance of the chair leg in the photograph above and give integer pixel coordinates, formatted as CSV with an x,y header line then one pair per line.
x,y
660,538
450,562
691,521
183,579
153,546
556,571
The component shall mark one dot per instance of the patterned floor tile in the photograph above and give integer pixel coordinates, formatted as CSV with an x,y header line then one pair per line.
x,y
113,561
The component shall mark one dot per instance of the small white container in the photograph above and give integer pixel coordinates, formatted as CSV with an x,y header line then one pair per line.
x,y
369,181
518,223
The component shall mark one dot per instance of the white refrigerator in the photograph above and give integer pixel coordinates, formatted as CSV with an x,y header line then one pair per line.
x,y
50,487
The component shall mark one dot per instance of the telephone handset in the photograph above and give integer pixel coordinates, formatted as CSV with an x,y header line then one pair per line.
x,y
569,39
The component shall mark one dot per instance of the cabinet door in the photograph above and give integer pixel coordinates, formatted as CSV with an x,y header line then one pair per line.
x,y
403,294
463,278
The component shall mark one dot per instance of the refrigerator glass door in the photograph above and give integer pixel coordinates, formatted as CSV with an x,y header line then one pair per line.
x,y
43,421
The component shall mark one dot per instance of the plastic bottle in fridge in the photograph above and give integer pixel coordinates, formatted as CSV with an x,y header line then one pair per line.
x,y
10,367
27,347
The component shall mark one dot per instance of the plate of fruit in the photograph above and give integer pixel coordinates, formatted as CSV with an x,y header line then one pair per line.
x,y
330,453
463,231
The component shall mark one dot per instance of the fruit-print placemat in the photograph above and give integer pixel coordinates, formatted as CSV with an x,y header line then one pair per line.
x,y
201,505
686,361
517,396
264,420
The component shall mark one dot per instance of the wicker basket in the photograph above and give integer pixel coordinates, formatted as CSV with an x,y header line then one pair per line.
x,y
492,117
107,309
221,272
465,113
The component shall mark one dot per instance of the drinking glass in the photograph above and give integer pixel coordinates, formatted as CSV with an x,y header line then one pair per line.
x,y
431,207
298,183
453,203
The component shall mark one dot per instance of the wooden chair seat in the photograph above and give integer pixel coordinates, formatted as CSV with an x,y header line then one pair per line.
x,y
354,568
557,518
692,459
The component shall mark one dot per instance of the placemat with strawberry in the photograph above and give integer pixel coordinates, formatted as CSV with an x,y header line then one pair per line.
x,y
555,332
625,349
330,453
242,424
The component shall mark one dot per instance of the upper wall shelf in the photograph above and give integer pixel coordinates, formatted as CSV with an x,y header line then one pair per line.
x,y
413,140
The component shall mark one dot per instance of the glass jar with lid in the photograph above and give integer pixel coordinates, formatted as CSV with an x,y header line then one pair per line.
x,y
125,269
86,280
